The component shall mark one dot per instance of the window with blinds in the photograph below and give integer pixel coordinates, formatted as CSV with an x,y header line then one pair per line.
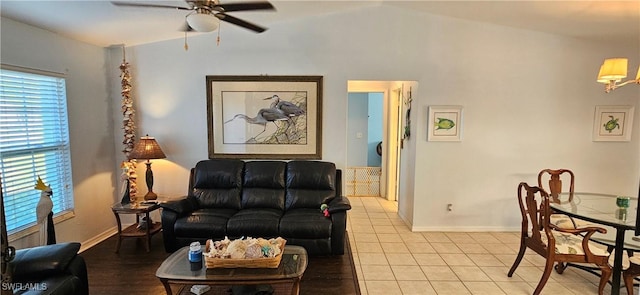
x,y
34,141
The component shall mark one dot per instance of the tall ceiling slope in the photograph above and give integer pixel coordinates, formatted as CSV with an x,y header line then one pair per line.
x,y
103,24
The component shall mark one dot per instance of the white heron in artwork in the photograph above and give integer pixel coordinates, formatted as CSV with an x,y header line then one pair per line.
x,y
263,117
43,211
288,108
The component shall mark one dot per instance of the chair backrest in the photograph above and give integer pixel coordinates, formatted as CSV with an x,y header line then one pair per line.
x,y
534,207
555,182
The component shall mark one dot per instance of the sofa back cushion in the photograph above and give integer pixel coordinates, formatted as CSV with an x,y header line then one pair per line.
x,y
309,184
217,183
263,185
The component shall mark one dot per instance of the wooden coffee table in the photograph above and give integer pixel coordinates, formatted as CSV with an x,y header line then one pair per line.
x,y
176,269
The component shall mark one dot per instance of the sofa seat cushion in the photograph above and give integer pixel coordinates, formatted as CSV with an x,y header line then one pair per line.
x,y
254,222
208,223
305,223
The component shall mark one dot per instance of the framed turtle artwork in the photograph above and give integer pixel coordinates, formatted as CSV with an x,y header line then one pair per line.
x,y
445,123
613,123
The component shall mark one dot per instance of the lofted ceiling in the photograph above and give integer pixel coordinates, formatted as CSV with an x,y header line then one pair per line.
x,y
103,24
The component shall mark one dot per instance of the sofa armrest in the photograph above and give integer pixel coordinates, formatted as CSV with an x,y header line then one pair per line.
x,y
43,261
339,204
182,207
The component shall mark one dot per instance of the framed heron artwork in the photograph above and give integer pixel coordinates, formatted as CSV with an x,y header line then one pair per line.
x,y
264,117
445,123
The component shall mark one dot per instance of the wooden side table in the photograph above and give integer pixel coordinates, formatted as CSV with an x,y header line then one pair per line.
x,y
133,231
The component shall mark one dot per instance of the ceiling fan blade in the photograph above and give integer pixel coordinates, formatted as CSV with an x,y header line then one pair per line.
x,y
118,3
239,22
243,6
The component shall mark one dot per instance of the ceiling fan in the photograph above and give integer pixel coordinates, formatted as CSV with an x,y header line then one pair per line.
x,y
206,15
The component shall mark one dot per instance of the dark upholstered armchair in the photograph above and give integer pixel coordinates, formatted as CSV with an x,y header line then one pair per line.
x,y
52,269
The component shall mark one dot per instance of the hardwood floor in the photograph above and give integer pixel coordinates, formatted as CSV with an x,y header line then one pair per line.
x,y
132,271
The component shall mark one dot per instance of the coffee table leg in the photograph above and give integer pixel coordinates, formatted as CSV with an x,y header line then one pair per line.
x,y
295,289
167,287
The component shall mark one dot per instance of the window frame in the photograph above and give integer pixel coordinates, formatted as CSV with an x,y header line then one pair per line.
x,y
59,150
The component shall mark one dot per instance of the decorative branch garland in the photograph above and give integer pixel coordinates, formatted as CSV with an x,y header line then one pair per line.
x,y
129,126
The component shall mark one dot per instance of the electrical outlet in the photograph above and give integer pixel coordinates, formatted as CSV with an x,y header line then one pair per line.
x,y
449,207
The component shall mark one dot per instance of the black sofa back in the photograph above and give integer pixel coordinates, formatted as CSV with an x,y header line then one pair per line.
x,y
217,183
310,187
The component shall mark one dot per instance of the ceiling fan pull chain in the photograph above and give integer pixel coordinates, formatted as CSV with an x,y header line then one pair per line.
x,y
218,39
186,46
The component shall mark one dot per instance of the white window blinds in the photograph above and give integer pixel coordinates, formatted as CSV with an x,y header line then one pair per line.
x,y
34,141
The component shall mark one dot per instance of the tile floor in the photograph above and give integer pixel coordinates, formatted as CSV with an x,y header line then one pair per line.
x,y
390,259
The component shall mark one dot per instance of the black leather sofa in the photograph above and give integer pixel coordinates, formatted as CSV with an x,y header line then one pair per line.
x,y
52,269
233,198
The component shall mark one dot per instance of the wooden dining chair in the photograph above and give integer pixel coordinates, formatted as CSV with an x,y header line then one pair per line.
x,y
554,182
631,272
553,243
554,188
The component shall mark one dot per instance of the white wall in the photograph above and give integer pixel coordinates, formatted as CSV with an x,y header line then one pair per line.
x,y
90,122
529,103
528,100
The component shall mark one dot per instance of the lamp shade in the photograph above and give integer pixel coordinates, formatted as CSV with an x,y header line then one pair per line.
x,y
613,69
147,148
203,22
638,75
600,73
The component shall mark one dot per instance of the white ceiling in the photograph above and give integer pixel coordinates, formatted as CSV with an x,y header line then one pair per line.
x,y
103,24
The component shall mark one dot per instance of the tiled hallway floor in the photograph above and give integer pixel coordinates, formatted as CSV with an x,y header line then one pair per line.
x,y
390,259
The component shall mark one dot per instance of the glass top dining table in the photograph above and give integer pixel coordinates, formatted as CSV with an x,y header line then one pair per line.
x,y
602,209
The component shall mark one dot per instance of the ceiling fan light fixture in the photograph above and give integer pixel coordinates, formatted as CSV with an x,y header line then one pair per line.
x,y
202,22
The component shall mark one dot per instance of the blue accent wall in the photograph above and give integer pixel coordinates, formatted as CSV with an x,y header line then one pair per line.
x,y
374,129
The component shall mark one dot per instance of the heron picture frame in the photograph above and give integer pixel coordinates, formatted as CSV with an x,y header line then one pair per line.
x,y
613,123
264,117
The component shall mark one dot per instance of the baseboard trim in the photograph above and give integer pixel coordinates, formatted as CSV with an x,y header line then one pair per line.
x,y
99,238
464,229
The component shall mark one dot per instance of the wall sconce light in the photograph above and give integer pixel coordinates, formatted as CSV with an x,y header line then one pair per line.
x,y
612,71
147,148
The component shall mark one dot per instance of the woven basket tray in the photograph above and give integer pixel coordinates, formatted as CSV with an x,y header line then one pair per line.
x,y
272,262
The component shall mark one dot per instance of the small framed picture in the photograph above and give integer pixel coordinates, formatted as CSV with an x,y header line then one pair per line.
x,y
613,123
445,123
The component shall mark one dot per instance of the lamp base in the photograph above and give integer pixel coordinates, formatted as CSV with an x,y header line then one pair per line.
x,y
150,196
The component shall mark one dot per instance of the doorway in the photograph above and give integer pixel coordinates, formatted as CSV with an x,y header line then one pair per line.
x,y
364,98
364,144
